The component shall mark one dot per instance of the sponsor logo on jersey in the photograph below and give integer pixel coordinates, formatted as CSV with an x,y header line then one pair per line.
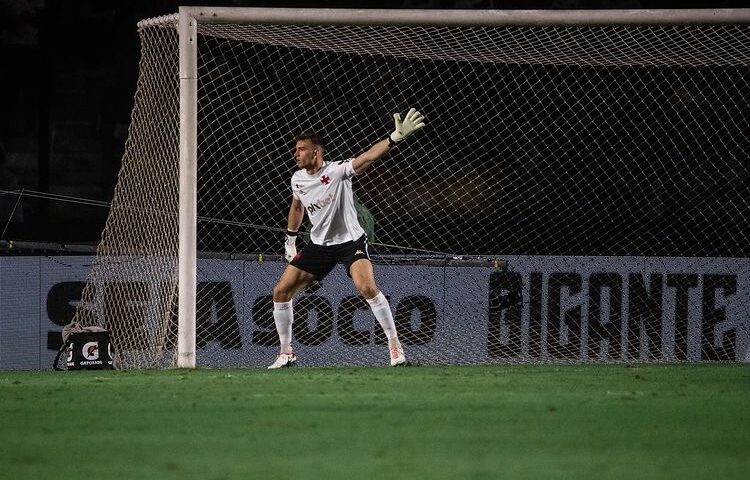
x,y
314,207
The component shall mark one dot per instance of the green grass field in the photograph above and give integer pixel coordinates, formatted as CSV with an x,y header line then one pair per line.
x,y
481,422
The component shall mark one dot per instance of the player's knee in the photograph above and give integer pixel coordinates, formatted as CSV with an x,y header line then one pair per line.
x,y
281,293
367,289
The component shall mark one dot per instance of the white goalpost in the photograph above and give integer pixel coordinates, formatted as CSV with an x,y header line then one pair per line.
x,y
188,210
577,194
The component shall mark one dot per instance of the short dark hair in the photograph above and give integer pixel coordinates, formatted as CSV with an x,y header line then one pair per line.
x,y
315,138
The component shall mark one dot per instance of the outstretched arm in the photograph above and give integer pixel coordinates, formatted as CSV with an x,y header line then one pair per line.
x,y
412,122
365,160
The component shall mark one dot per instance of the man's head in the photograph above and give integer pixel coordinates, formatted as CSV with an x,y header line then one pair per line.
x,y
308,150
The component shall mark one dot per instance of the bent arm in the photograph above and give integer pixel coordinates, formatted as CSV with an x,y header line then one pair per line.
x,y
365,160
296,215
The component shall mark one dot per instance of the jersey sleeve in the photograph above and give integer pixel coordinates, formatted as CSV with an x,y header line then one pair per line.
x,y
295,190
347,169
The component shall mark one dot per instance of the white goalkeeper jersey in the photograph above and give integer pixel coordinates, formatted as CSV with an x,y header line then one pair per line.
x,y
328,198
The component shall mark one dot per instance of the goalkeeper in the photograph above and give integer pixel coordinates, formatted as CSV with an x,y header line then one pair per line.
x,y
324,190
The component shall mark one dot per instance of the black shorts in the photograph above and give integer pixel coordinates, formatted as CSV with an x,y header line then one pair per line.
x,y
320,260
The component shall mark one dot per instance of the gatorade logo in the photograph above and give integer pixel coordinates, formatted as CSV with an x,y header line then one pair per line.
x,y
90,350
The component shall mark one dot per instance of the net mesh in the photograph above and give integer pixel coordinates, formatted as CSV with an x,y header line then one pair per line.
x,y
597,151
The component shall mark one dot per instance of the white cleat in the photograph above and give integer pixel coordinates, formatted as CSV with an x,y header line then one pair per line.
x,y
284,360
397,356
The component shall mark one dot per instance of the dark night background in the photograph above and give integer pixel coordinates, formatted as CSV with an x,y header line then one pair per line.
x,y
68,73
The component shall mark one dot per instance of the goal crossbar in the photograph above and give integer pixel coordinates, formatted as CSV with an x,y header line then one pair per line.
x,y
477,18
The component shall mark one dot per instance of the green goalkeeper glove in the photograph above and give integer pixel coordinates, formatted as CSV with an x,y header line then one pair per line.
x,y
411,123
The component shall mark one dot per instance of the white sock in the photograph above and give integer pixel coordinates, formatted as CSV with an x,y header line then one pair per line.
x,y
382,310
283,315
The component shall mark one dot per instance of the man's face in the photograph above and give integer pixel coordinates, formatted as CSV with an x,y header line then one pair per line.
x,y
306,154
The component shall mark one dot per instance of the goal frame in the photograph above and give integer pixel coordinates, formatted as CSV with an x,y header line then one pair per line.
x,y
188,19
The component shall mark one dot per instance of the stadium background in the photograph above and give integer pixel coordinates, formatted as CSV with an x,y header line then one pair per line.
x,y
69,68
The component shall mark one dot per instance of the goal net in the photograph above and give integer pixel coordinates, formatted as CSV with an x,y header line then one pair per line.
x,y
579,192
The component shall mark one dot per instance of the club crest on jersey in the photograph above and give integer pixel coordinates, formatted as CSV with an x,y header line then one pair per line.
x,y
325,179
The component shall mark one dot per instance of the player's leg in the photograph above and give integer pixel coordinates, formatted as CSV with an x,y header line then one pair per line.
x,y
292,281
363,276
